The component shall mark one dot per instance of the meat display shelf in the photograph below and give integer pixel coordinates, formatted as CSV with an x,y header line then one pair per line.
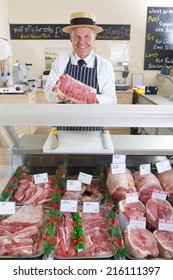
x,y
28,149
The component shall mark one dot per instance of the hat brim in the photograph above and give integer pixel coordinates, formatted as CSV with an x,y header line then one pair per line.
x,y
68,28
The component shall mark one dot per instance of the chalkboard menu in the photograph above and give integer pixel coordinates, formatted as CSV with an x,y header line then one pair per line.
x,y
54,32
159,38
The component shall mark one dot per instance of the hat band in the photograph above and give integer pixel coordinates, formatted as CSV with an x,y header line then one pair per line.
x,y
79,21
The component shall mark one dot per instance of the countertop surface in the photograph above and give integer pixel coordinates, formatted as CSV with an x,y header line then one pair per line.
x,y
156,99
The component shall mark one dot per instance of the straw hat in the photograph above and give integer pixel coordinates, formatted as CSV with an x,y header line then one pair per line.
x,y
82,19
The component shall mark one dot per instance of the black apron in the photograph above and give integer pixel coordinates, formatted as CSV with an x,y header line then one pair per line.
x,y
87,76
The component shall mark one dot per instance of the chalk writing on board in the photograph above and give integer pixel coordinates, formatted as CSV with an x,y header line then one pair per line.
x,y
54,32
159,39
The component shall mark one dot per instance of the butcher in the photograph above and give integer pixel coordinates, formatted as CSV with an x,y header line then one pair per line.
x,y
82,63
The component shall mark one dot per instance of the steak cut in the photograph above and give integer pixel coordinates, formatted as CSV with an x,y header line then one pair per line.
x,y
141,242
71,90
145,185
164,243
157,209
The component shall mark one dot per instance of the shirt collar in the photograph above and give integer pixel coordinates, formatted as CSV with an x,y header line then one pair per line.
x,y
86,59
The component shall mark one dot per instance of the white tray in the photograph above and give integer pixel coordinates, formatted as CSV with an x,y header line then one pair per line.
x,y
83,142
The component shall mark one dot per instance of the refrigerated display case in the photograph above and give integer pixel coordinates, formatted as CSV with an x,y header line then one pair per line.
x,y
27,150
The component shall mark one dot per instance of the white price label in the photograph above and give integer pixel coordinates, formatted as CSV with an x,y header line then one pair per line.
x,y
138,222
118,158
41,178
166,225
145,169
73,185
91,207
163,166
69,206
132,197
7,208
159,194
117,168
85,178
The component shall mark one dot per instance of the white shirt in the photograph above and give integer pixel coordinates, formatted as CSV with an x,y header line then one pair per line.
x,y
105,75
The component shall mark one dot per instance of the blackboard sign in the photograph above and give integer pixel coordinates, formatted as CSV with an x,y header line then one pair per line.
x,y
54,32
159,38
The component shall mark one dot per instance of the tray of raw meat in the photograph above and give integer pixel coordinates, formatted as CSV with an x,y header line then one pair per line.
x,y
28,192
150,242
94,192
21,233
88,236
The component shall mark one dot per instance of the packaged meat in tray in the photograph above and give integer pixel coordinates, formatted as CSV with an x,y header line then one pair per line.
x,y
21,233
89,236
93,192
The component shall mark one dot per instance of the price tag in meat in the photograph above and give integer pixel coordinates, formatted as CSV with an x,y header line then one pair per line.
x,y
159,194
145,169
163,166
118,158
68,206
90,207
138,222
73,185
117,168
40,178
85,178
166,225
7,208
132,197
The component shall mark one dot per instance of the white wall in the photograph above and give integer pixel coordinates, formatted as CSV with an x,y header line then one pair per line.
x,y
4,29
4,26
131,12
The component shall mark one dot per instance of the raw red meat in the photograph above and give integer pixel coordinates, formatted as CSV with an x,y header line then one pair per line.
x,y
141,242
74,91
64,246
25,215
97,239
61,247
87,193
132,210
95,236
69,235
30,193
145,185
157,209
100,249
164,243
166,180
120,184
22,242
97,223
